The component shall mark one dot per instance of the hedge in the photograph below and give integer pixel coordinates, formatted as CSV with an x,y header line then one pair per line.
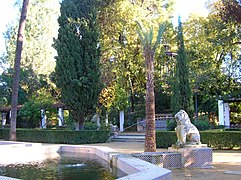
x,y
221,139
58,136
214,139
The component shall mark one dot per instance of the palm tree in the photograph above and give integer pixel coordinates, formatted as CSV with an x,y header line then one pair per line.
x,y
14,103
149,49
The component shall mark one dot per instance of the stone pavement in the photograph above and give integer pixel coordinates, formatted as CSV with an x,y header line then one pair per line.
x,y
226,163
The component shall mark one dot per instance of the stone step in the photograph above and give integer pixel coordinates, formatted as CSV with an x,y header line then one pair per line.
x,y
129,137
127,140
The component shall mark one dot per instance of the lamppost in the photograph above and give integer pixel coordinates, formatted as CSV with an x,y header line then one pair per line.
x,y
195,90
172,55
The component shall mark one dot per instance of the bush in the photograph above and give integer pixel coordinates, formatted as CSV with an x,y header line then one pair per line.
x,y
29,115
221,139
202,125
90,126
165,139
215,139
105,127
234,129
58,136
219,127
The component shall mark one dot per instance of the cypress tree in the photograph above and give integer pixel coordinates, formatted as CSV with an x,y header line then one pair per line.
x,y
182,94
77,72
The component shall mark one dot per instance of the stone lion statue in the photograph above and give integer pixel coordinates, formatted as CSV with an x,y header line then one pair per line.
x,y
187,133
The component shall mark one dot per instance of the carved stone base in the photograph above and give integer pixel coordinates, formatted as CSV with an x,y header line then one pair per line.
x,y
194,157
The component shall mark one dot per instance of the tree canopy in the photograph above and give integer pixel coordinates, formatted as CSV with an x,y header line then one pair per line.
x,y
212,48
77,72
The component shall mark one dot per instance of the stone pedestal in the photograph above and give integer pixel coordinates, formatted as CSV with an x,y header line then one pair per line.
x,y
194,157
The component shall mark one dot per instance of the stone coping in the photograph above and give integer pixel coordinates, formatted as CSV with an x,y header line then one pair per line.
x,y
7,178
136,169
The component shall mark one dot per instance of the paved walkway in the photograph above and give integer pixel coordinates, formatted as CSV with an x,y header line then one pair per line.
x,y
226,163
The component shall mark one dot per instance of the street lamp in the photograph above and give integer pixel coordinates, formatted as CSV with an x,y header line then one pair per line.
x,y
172,55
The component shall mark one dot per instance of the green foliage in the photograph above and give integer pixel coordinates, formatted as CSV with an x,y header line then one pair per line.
x,y
165,139
211,43
29,115
90,126
221,139
107,98
171,124
162,99
182,95
233,129
105,127
121,98
41,27
202,125
122,57
77,72
214,139
235,117
58,136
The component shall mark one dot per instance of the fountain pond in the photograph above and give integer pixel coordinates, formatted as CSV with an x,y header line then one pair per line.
x,y
65,166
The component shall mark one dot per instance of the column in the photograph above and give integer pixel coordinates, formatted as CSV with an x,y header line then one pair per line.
x,y
221,112
3,119
226,115
60,116
43,119
122,119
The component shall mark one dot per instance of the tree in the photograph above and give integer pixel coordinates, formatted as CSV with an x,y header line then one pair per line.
x,y
14,102
228,10
77,72
149,48
122,59
182,94
214,53
37,59
41,28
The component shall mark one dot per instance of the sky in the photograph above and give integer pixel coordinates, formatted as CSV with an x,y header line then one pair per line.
x,y
183,8
7,14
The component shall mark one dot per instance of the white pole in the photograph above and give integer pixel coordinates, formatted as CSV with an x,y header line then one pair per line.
x,y
43,119
122,119
3,119
60,116
221,112
226,115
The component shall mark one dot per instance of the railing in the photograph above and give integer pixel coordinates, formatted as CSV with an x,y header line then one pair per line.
x,y
160,122
163,116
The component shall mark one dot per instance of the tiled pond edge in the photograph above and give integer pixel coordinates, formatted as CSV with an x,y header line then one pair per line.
x,y
136,169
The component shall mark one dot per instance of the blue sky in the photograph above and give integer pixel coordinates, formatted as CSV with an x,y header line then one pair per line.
x,y
8,13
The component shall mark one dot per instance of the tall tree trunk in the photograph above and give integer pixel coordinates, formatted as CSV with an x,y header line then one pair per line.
x,y
14,103
150,136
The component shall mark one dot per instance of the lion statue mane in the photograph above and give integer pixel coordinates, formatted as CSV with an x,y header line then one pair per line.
x,y
187,133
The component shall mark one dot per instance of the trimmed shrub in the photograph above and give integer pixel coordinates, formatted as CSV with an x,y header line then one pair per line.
x,y
202,125
90,126
58,136
221,139
214,139
165,139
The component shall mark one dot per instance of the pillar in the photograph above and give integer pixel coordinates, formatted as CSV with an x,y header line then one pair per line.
x,y
43,119
226,115
60,117
122,119
4,119
221,112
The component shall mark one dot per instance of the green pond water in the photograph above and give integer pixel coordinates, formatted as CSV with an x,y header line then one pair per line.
x,y
66,166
